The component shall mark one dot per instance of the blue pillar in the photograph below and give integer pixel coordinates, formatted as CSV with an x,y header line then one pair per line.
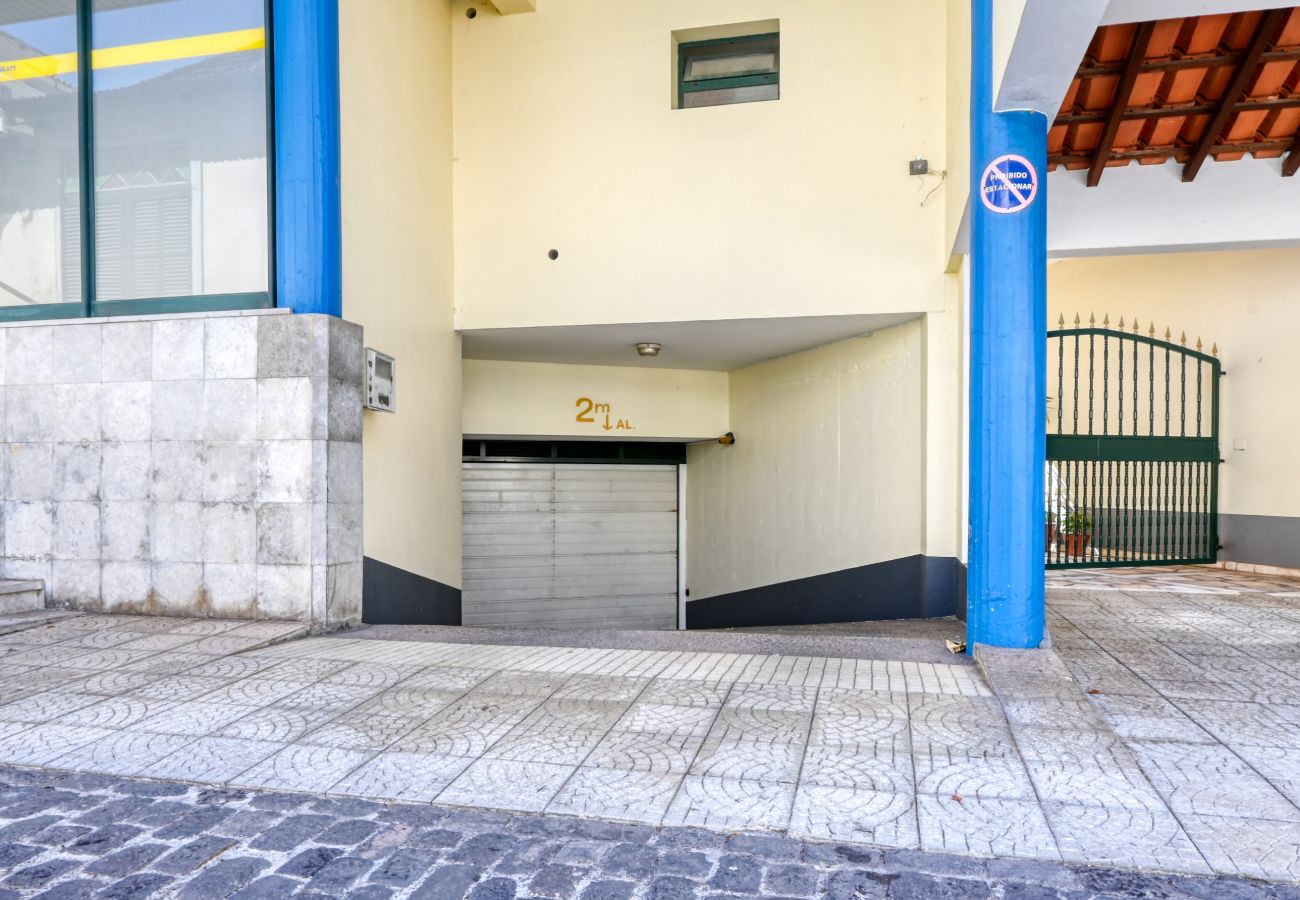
x,y
308,214
1008,360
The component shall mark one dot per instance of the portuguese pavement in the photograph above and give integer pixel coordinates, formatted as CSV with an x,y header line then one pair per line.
x,y
1160,735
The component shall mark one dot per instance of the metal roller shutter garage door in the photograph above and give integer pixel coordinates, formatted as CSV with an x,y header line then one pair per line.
x,y
570,545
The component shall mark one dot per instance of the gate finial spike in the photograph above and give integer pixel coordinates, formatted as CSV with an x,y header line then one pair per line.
x,y
1214,351
1077,320
1137,328
1061,324
1169,334
1121,323
1199,345
1092,319
1106,320
1152,330
1183,339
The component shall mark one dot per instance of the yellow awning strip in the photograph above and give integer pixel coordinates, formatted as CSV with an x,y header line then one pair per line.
x,y
137,54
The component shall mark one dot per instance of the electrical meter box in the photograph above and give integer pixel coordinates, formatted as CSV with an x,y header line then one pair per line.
x,y
381,381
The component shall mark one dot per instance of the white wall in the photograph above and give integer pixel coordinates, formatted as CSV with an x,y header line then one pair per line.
x,y
566,139
827,472
1243,204
546,400
397,271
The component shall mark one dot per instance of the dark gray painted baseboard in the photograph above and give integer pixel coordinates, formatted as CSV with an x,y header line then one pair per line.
x,y
914,587
1262,540
393,596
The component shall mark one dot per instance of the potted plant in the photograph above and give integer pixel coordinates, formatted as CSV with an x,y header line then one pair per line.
x,y
1078,532
1052,534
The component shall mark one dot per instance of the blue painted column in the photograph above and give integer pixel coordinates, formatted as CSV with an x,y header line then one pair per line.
x,y
308,214
1008,207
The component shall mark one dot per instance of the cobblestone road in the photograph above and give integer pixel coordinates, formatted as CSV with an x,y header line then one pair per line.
x,y
69,836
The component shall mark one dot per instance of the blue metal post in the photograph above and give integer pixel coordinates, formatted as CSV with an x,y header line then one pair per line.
x,y
308,214
1008,360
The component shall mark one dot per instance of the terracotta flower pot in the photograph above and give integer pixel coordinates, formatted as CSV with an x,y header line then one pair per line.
x,y
1077,544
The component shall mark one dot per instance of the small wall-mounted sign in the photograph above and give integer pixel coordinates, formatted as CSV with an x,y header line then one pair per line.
x,y
1009,185
593,412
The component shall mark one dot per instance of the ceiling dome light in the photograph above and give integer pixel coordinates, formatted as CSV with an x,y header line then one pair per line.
x,y
648,349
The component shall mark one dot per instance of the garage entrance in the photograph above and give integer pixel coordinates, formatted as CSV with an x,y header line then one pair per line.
x,y
570,534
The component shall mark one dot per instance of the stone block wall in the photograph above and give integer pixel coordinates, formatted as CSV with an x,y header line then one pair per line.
x,y
188,465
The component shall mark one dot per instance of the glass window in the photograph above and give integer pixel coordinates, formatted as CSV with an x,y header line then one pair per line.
x,y
180,148
40,238
731,70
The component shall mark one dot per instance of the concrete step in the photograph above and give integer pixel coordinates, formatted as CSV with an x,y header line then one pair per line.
x,y
21,596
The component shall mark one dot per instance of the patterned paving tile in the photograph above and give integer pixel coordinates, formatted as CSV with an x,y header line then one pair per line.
x,y
46,706
1079,745
302,767
616,794
180,687
603,688
467,727
745,760
507,784
1140,838
1254,848
115,712
123,752
404,701
361,731
233,667
547,743
665,718
978,778
575,712
958,721
984,827
529,684
197,719
761,725
272,724
212,760
326,696
253,691
723,803
833,730
778,697
373,676
403,776
455,679
1115,787
882,767
678,692
855,814
43,744
646,751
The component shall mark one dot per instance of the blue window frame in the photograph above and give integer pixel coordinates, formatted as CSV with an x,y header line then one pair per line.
x,y
136,157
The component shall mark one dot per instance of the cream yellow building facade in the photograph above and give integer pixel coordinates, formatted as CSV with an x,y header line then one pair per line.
x,y
507,197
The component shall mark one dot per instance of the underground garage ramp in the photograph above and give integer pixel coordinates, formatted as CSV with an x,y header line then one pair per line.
x,y
555,544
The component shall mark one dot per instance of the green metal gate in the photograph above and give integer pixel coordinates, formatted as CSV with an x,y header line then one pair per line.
x,y
1132,449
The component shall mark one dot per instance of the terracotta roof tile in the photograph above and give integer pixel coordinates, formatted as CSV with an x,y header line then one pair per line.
x,y
1186,67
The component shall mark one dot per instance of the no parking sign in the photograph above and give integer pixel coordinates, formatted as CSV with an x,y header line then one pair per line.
x,y
1009,185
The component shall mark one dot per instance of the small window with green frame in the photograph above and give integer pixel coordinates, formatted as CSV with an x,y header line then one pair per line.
x,y
722,71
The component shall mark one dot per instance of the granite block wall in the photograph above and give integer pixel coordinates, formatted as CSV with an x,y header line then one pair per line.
x,y
191,465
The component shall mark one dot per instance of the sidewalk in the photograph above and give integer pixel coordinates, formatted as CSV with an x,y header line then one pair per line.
x,y
903,755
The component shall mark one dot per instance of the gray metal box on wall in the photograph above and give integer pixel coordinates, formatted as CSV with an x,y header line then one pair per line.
x,y
381,381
